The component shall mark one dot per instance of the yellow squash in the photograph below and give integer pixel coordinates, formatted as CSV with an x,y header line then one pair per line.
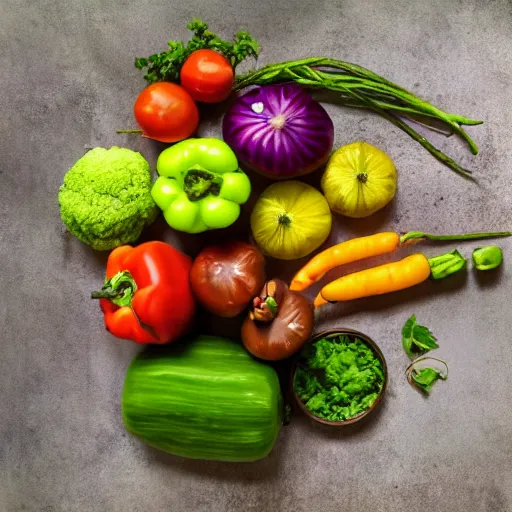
x,y
290,220
359,180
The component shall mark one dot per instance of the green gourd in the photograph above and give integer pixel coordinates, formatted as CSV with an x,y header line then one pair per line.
x,y
203,398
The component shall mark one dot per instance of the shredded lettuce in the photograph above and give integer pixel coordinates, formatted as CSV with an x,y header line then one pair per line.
x,y
338,378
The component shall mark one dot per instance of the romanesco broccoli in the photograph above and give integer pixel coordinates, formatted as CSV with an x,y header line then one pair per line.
x,y
105,200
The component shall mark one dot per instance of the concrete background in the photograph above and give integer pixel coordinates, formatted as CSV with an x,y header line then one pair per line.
x,y
68,82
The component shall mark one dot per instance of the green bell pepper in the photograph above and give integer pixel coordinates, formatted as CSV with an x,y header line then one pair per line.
x,y
200,186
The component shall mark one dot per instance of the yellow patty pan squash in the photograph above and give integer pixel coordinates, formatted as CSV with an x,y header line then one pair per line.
x,y
359,180
290,220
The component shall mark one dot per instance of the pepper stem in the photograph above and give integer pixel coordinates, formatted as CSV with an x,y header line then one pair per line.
x,y
119,289
420,236
199,183
446,264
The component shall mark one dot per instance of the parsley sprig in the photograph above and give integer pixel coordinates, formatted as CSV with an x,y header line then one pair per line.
x,y
166,66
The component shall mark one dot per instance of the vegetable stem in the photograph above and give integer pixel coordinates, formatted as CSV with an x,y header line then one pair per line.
x,y
362,177
420,236
283,219
129,131
119,289
446,264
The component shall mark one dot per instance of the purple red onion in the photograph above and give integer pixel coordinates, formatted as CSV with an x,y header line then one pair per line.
x,y
279,131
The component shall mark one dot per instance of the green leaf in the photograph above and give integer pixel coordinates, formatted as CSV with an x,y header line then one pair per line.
x,y
417,339
407,338
426,378
141,63
151,77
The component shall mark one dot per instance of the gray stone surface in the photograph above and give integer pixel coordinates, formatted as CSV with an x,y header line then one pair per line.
x,y
68,82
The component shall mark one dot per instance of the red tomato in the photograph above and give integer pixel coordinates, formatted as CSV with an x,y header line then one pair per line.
x,y
207,76
166,112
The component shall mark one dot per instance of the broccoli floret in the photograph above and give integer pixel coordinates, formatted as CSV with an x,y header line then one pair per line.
x,y
105,200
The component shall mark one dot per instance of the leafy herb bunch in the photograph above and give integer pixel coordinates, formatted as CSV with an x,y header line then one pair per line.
x,y
166,66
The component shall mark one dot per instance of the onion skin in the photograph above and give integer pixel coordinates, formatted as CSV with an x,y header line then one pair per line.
x,y
225,277
279,130
274,335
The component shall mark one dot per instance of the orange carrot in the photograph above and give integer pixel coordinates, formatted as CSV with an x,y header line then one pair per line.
x,y
343,253
368,246
386,278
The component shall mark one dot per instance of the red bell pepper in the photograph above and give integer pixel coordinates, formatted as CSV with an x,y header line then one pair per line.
x,y
147,297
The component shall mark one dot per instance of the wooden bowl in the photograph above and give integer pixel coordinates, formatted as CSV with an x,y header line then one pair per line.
x,y
376,350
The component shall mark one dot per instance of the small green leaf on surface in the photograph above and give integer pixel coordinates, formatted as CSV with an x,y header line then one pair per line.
x,y
425,378
417,339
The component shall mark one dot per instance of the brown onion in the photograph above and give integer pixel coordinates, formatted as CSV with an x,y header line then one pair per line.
x,y
226,277
280,322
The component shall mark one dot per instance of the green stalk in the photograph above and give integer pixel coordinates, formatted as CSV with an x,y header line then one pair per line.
x,y
359,72
119,289
423,108
419,236
416,105
449,162
435,152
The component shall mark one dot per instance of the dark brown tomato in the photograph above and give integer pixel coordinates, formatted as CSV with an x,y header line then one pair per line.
x,y
226,277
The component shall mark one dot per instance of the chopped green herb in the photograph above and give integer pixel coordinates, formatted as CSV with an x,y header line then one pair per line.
x,y
417,339
338,378
425,378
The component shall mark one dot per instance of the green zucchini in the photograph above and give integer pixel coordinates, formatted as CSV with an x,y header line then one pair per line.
x,y
203,398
